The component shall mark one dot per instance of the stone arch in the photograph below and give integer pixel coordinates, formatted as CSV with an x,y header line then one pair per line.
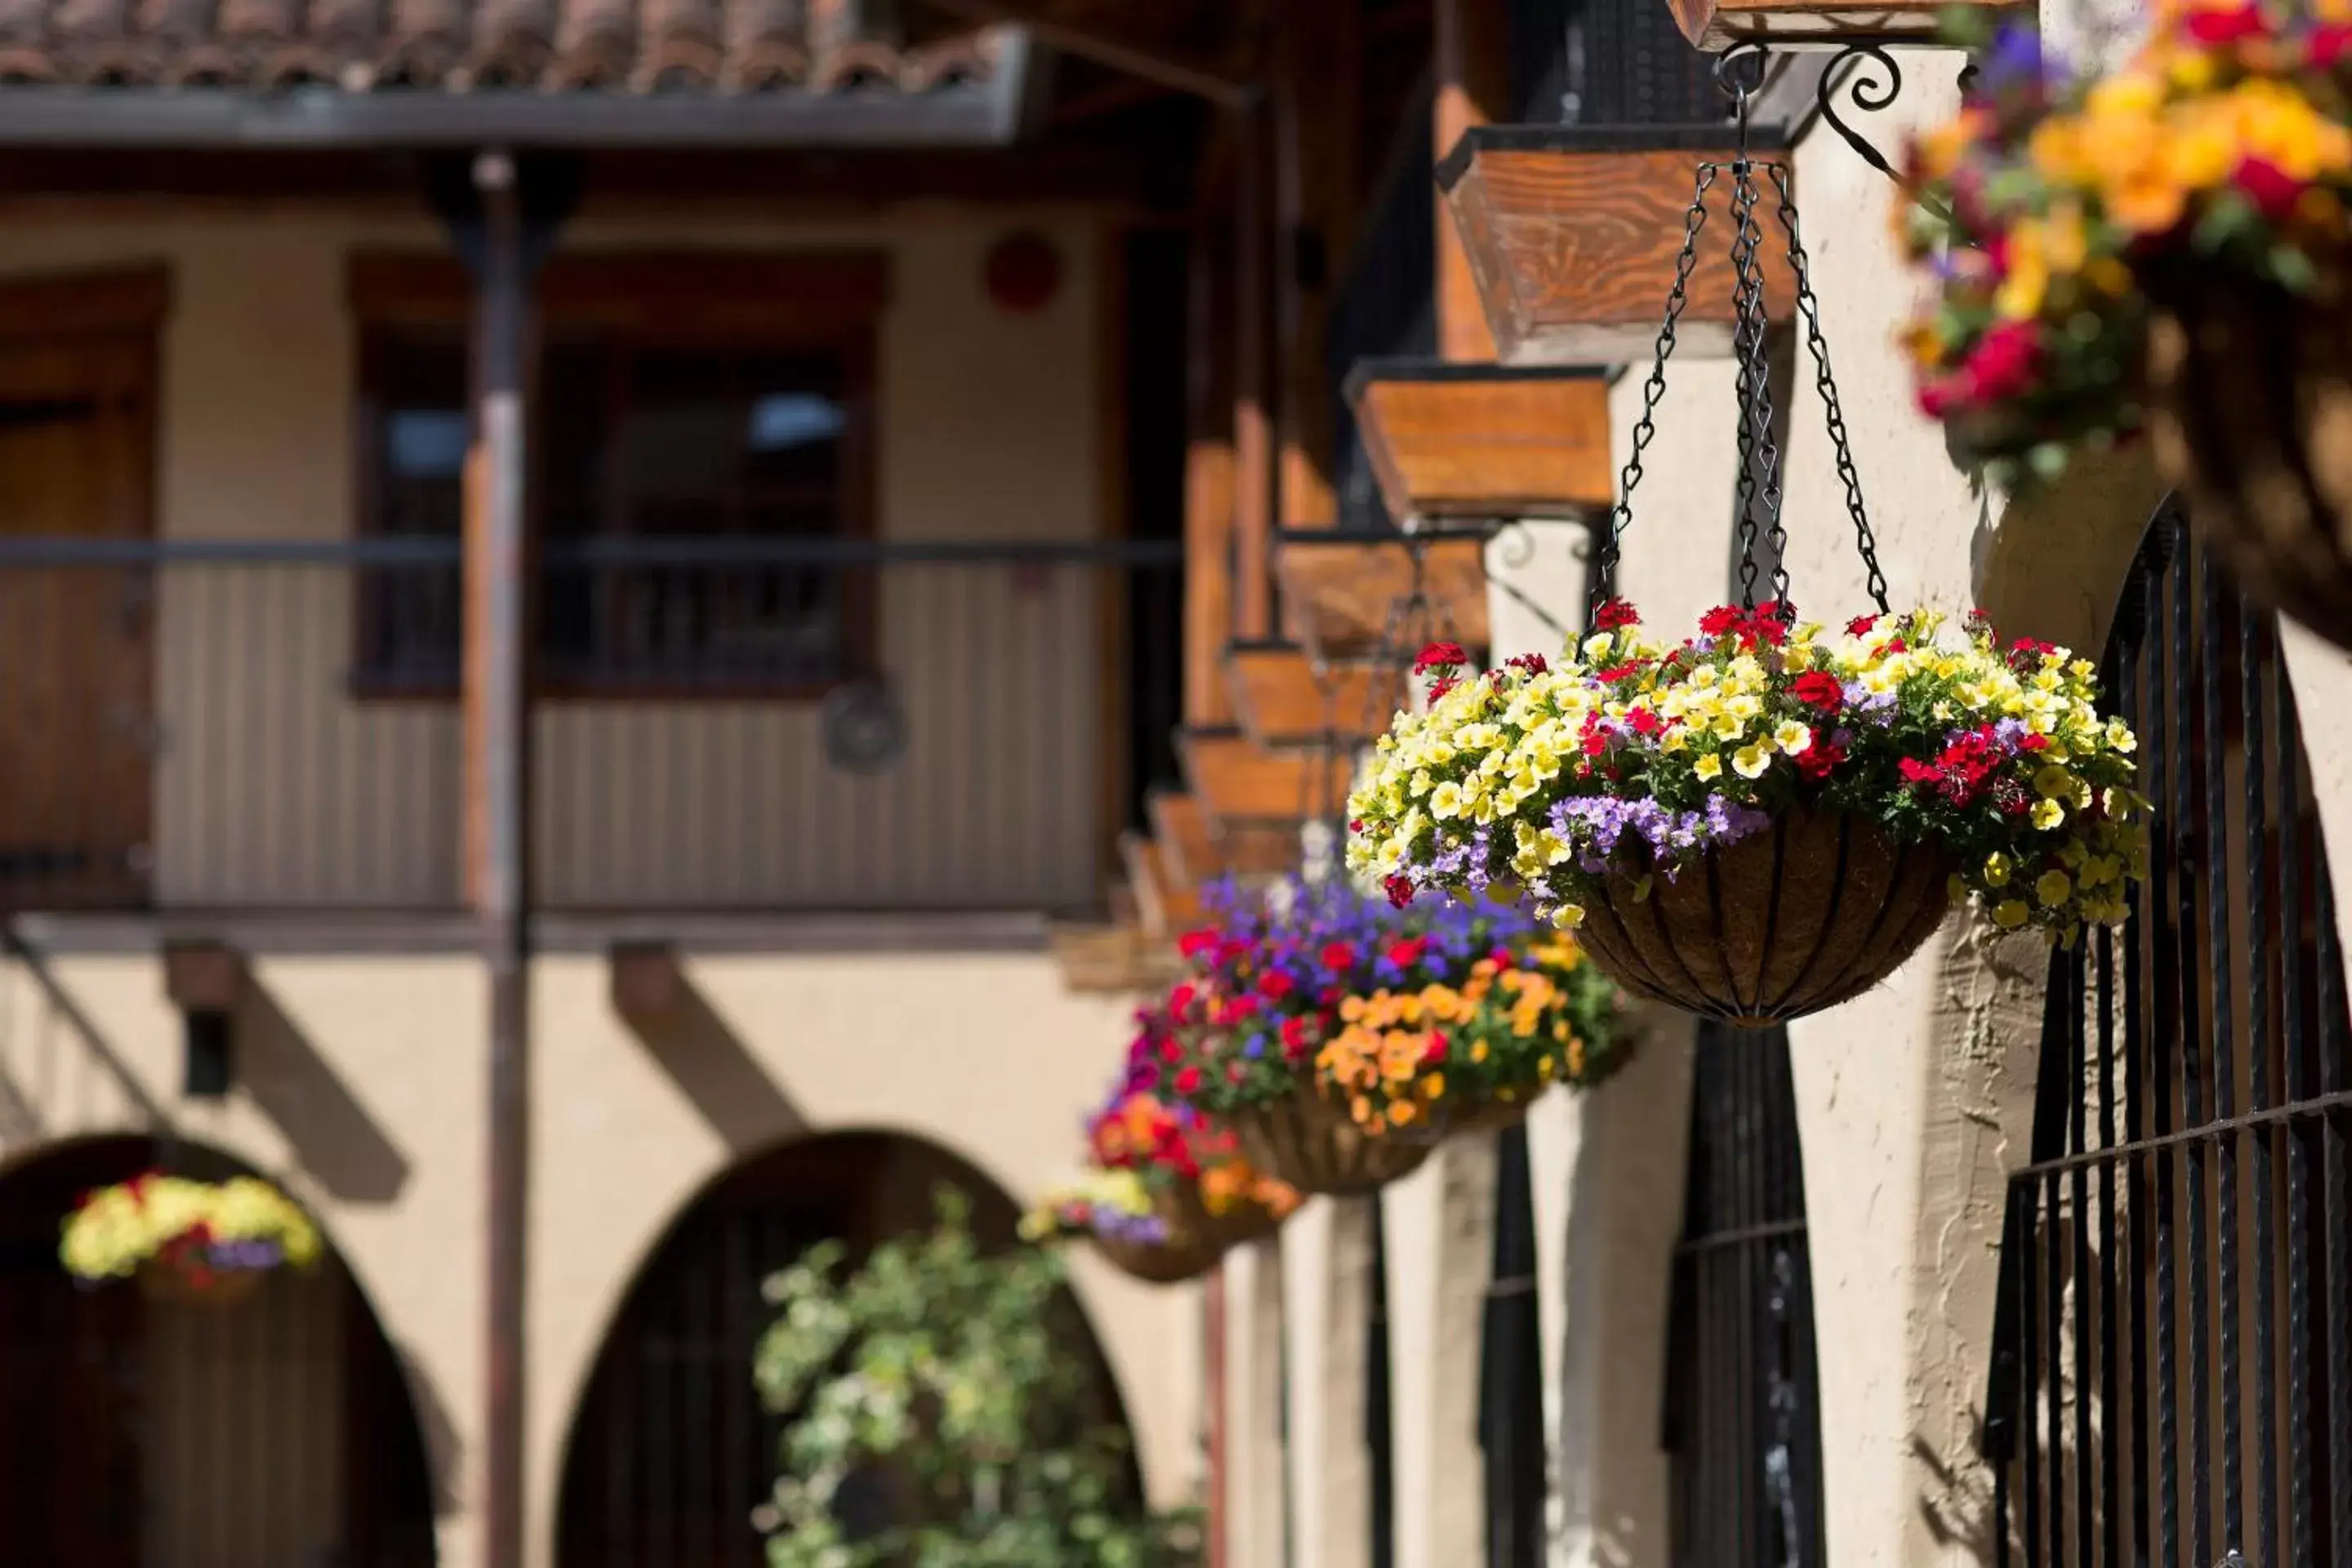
x,y
279,1428
666,1452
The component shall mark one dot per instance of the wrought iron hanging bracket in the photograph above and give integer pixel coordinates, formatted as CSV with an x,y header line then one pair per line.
x,y
1861,72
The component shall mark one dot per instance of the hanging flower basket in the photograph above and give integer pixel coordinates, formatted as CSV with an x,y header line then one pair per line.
x,y
2160,249
1167,1192
1766,819
1337,1032
189,1242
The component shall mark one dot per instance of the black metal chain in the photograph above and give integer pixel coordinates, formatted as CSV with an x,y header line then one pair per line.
x,y
1810,308
1603,574
1759,492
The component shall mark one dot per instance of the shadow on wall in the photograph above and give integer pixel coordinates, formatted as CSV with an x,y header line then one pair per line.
x,y
62,1006
653,994
334,1138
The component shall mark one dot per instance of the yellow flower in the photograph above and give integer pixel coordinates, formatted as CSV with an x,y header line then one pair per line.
x,y
2053,889
1709,766
2028,281
1401,1112
2011,915
1478,1052
1433,1086
1996,869
1793,738
2048,813
1750,761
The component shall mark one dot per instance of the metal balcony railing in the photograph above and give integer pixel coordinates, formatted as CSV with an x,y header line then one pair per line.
x,y
716,725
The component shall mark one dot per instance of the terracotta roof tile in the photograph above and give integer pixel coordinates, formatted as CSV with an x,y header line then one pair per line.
x,y
637,45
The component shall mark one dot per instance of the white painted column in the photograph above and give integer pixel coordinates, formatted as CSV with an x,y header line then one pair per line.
x,y
1327,1255
1440,1251
1255,1492
1609,1187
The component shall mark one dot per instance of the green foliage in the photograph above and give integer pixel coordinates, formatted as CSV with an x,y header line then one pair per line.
x,y
947,1376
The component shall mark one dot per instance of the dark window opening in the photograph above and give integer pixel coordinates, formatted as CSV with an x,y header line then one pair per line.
x,y
1742,1407
692,476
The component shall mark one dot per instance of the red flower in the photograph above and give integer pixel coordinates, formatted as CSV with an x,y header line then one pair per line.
x,y
2330,43
1294,1037
1180,999
1197,944
1275,984
1338,956
1170,1052
1438,689
1617,672
1533,663
1643,722
1406,950
2272,189
1817,761
1499,956
1719,620
1819,688
1434,1052
1440,656
2213,28
1860,626
2034,743
2004,363
1399,888
1915,771
1614,613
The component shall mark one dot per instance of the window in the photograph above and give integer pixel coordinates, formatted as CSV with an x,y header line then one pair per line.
x,y
702,444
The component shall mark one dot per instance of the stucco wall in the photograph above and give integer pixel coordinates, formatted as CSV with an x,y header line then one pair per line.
x,y
273,787
361,1088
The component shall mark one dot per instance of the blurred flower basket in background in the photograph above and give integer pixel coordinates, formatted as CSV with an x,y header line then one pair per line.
x,y
2159,249
196,1242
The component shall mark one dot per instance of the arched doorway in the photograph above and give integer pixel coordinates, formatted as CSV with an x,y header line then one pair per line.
x,y
135,1434
671,1450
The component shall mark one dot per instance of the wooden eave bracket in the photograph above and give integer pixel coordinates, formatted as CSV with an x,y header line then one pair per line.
x,y
1450,441
1572,234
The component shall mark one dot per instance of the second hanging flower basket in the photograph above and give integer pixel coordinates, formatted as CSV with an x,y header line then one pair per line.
x,y
1341,1036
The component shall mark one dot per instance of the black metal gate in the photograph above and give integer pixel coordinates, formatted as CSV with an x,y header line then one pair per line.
x,y
2172,1354
1510,1368
1742,1410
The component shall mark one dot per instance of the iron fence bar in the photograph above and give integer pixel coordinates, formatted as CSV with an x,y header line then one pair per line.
x,y
2163,990
2078,1134
1716,1240
2277,1116
2111,1307
2333,1050
2182,820
2213,820
2296,1084
2138,1080
2260,1146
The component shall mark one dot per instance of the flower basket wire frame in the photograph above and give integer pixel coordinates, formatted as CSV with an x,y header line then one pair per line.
x,y
1827,905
